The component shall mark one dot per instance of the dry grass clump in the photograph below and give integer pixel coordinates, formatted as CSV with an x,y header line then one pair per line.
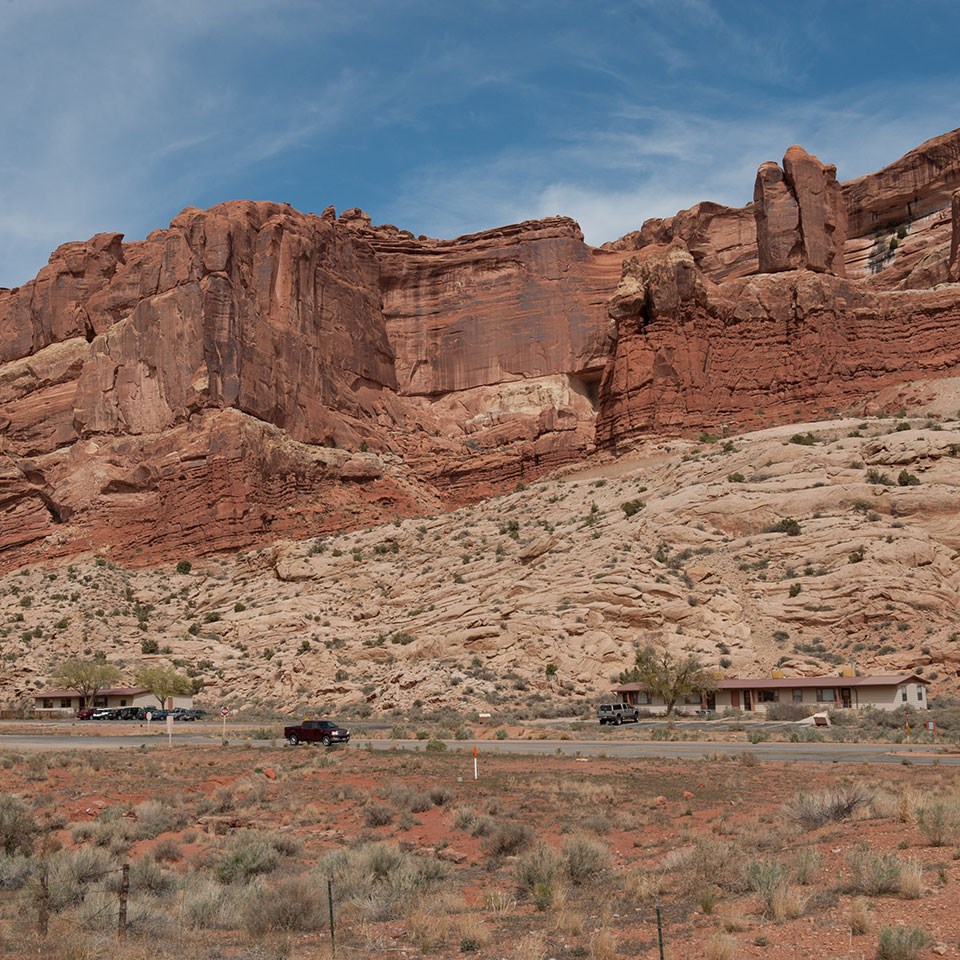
x,y
603,944
813,810
246,855
154,818
911,880
378,815
473,933
806,865
531,947
859,916
721,947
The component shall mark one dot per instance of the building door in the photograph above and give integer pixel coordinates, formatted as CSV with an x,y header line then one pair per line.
x,y
845,698
735,699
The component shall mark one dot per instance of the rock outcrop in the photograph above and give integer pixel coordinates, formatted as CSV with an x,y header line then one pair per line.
x,y
954,268
801,217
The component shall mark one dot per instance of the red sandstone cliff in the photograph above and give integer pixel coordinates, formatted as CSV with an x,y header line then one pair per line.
x,y
252,371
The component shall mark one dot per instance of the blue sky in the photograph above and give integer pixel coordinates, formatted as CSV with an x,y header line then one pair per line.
x,y
443,117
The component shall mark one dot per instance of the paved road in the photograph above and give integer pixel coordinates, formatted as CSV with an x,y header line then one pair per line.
x,y
688,750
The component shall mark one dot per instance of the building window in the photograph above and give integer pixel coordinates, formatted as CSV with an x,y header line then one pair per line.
x,y
123,702
826,695
919,692
65,702
903,694
768,696
798,696
643,697
99,701
47,703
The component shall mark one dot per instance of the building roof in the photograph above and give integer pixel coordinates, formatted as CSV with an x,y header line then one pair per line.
x,y
103,692
791,683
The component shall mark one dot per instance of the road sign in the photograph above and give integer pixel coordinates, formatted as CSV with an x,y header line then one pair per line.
x,y
224,711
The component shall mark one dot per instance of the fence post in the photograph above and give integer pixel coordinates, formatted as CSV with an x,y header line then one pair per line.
x,y
659,930
43,903
333,941
124,891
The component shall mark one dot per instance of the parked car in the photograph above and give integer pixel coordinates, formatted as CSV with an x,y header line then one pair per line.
x,y
316,731
617,713
85,714
104,713
132,713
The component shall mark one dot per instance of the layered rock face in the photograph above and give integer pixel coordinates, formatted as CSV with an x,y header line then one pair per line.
x,y
253,371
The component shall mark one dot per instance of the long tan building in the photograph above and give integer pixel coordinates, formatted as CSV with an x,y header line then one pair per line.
x,y
819,693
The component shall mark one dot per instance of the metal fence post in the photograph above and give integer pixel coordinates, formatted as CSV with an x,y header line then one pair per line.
x,y
43,903
124,892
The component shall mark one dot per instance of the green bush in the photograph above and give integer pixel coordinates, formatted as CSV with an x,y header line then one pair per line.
x,y
873,873
247,856
736,477
789,526
901,943
907,479
184,566
630,507
17,826
804,439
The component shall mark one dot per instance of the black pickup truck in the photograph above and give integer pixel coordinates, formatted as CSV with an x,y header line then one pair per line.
x,y
316,731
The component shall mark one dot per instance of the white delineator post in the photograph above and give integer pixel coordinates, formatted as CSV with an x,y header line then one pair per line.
x,y
474,761
169,729
224,712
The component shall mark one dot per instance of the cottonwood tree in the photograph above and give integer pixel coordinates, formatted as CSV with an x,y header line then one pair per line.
x,y
669,677
164,682
87,677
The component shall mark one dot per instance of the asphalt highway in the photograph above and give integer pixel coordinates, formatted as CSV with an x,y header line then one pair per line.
x,y
633,749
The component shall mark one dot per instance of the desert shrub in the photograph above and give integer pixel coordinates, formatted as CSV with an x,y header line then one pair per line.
x,y
184,566
378,815
441,796
507,839
736,477
379,881
764,876
806,864
71,873
246,856
804,439
873,873
154,818
435,745
813,810
584,859
907,479
911,879
788,525
787,711
15,871
146,876
208,905
937,823
291,904
540,866
901,943
406,798
630,507
18,829
167,849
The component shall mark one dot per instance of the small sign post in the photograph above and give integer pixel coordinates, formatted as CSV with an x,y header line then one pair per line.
x,y
224,713
169,729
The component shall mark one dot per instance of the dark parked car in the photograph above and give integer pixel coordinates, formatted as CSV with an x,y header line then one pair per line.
x,y
85,714
316,731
